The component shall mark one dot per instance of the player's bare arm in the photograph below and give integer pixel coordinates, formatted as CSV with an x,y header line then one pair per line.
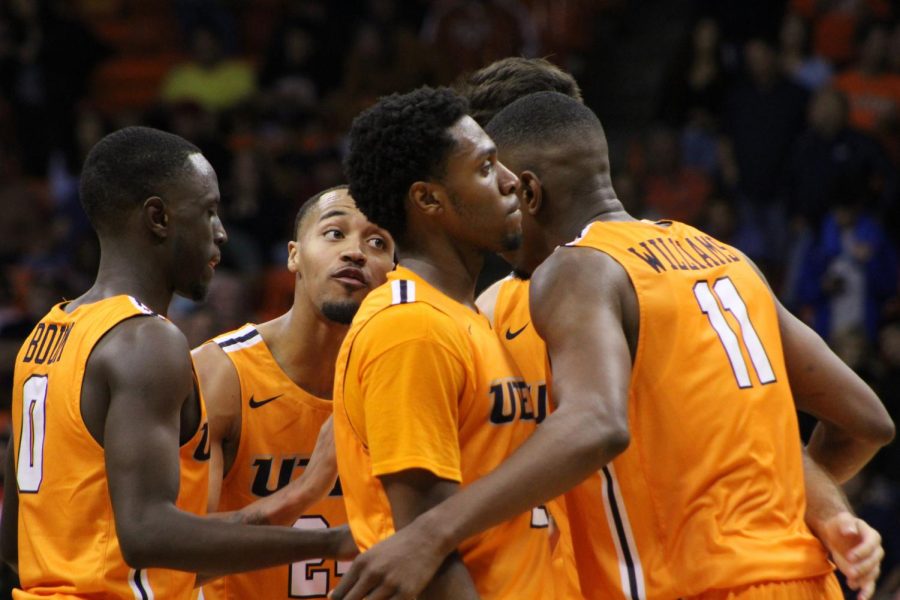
x,y
581,319
141,440
853,423
9,524
855,547
411,493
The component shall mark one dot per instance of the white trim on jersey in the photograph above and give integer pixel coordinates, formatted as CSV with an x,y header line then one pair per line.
x,y
140,585
242,338
403,291
141,306
580,235
630,569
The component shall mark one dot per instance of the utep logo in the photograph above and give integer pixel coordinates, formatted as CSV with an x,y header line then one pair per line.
x,y
263,465
511,399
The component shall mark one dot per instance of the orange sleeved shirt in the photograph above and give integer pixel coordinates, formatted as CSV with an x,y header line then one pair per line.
x,y
280,423
422,382
710,493
67,541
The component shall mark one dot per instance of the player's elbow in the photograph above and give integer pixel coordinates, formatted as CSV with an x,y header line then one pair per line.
x,y
142,544
607,438
883,431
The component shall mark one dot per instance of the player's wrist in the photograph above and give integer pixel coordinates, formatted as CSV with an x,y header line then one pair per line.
x,y
435,531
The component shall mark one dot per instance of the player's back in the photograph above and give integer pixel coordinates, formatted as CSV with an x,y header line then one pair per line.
x,y
710,492
66,530
280,423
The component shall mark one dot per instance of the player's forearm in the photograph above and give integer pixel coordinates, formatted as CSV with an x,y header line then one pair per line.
x,y
177,540
839,453
568,447
824,498
451,582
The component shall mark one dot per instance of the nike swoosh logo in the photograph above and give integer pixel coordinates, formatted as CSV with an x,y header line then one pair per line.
x,y
512,334
255,404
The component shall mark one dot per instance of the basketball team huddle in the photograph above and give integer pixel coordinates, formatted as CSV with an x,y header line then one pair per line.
x,y
614,420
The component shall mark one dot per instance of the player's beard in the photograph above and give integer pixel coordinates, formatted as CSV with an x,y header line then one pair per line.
x,y
341,311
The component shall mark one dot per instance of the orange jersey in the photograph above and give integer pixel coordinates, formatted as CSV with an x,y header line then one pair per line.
x,y
67,541
710,493
512,323
279,425
422,382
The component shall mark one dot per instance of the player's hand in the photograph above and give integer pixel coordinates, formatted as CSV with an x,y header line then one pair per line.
x,y
344,546
856,550
398,568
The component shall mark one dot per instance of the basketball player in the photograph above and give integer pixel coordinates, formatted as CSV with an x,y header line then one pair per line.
x,y
426,399
108,462
671,359
506,304
268,392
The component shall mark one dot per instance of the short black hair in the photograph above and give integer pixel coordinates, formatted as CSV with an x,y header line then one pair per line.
x,y
128,166
496,86
542,118
309,204
398,141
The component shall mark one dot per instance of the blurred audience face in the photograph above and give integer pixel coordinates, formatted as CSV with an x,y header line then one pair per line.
x,y
706,36
827,113
873,50
760,61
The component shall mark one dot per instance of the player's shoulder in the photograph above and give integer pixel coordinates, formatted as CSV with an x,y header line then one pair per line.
x,y
145,340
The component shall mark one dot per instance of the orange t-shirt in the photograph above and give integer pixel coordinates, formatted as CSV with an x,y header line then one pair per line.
x,y
512,324
67,540
710,492
279,425
871,98
423,383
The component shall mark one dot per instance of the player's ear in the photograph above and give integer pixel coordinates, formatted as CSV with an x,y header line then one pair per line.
x,y
426,197
531,193
293,260
156,216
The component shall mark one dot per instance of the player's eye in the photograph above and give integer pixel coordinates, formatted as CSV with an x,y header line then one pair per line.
x,y
333,234
378,242
487,167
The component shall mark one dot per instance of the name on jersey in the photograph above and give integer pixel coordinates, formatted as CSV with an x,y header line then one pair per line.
x,y
47,343
511,400
691,253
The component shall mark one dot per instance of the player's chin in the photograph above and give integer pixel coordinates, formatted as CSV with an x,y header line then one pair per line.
x,y
196,291
511,241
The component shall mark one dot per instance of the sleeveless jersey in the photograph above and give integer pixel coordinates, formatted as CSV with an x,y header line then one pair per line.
x,y
512,324
279,425
67,541
422,382
710,493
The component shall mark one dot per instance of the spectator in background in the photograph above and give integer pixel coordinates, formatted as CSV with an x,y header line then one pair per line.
x,y
873,91
852,269
698,80
798,62
47,56
671,189
764,113
830,150
209,78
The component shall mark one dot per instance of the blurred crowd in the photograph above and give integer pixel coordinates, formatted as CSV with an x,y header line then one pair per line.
x,y
776,128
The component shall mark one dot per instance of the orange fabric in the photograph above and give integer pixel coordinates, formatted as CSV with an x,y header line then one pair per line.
x,y
279,426
817,588
512,324
424,383
871,98
710,493
67,541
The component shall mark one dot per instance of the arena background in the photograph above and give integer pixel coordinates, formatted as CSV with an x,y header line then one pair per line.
x,y
773,125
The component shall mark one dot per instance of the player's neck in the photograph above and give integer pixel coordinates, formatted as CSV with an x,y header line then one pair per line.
x,y
119,274
451,274
305,347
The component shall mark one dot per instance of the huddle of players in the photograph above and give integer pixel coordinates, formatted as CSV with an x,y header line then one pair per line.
x,y
692,483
